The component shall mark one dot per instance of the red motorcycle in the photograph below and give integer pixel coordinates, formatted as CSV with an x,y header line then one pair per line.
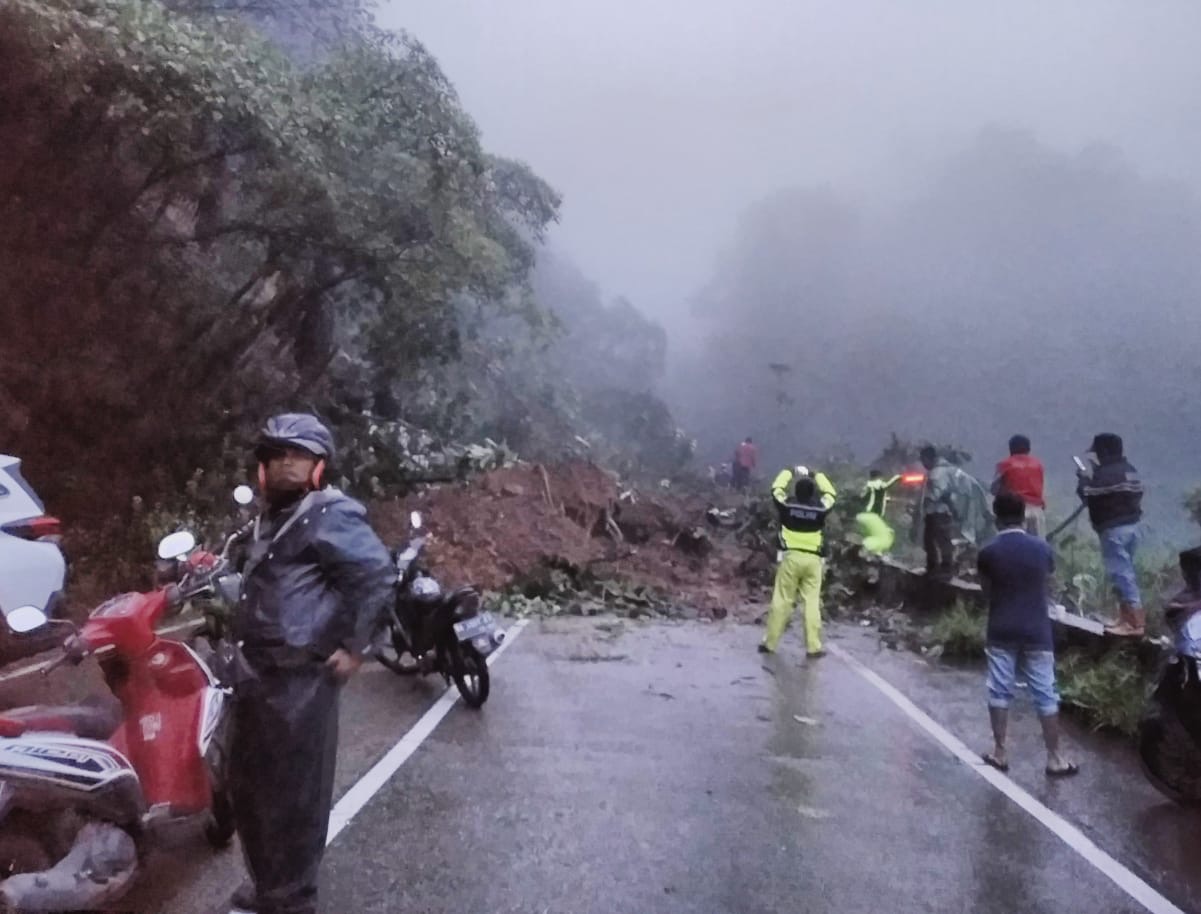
x,y
89,785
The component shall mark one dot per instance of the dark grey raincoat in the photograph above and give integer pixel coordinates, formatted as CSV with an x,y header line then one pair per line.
x,y
316,579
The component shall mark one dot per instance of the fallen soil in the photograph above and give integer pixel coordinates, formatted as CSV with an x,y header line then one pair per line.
x,y
505,530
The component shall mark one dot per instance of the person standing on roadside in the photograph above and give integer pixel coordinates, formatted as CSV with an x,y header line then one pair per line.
x,y
936,513
953,503
316,581
1022,474
1015,569
1114,495
746,458
803,500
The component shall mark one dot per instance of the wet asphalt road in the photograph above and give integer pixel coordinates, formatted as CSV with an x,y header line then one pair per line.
x,y
642,767
666,768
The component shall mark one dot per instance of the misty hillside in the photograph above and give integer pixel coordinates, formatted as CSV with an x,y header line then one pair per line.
x,y
209,218
1021,290
315,202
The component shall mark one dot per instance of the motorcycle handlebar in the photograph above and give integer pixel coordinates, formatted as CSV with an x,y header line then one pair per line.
x,y
75,649
238,534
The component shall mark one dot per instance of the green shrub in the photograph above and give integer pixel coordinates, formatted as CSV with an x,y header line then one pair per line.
x,y
1110,690
960,632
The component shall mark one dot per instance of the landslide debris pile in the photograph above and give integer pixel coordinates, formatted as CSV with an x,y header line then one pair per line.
x,y
572,538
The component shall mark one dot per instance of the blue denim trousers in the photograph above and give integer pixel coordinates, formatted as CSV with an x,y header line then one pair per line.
x,y
1118,545
1037,668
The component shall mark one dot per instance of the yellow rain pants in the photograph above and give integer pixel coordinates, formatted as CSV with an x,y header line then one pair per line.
x,y
799,575
878,537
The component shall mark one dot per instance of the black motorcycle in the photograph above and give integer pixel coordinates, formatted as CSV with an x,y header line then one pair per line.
x,y
1169,733
440,632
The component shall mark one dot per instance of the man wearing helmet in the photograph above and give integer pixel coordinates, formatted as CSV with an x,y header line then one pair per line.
x,y
316,580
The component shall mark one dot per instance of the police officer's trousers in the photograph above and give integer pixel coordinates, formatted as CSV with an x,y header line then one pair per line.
x,y
799,575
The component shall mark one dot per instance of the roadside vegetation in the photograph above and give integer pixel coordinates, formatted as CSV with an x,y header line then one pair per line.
x,y
959,632
1108,689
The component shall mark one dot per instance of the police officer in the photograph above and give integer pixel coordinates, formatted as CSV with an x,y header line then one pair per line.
x,y
316,580
802,502
878,536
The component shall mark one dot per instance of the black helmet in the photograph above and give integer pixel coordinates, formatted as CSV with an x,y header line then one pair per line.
x,y
295,430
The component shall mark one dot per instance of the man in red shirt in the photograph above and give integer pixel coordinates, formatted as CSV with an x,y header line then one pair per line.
x,y
1022,474
746,458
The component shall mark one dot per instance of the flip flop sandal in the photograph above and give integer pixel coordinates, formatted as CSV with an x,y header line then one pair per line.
x,y
1067,772
991,761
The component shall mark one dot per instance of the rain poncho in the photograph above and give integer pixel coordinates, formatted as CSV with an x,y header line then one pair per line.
x,y
951,490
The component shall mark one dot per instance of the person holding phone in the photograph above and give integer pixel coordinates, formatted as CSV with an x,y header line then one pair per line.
x,y
1113,492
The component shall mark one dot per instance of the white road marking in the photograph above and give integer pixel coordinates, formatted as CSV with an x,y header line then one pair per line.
x,y
1123,878
369,785
23,671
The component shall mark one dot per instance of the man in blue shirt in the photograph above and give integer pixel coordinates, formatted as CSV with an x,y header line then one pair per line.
x,y
1015,569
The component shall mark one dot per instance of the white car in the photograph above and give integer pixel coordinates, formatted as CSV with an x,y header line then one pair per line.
x,y
32,567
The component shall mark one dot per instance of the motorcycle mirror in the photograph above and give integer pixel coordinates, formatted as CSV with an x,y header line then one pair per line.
x,y
175,545
415,520
25,619
243,495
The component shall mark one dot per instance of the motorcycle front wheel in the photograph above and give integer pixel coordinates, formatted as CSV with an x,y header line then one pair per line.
x,y
23,848
469,670
1169,757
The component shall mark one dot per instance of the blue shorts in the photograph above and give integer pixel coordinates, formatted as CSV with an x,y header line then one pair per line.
x,y
1037,668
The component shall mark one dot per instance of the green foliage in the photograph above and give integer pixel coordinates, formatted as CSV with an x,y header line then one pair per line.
x,y
960,632
1110,689
205,203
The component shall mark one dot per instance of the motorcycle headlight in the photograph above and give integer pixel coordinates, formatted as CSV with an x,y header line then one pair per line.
x,y
425,588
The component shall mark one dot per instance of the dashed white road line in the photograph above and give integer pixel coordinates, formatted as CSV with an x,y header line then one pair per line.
x,y
1069,834
369,785
22,671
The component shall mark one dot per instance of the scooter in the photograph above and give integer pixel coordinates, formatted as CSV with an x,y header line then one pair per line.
x,y
1169,733
90,785
443,632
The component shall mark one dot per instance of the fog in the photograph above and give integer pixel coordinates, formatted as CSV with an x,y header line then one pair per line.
x,y
955,220
660,120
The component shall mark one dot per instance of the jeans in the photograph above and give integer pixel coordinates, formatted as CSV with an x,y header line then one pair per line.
x,y
1036,667
1118,545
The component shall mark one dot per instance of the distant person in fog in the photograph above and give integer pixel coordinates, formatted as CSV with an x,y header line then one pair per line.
x,y
746,458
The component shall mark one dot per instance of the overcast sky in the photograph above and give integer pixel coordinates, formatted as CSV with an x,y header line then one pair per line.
x,y
660,120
